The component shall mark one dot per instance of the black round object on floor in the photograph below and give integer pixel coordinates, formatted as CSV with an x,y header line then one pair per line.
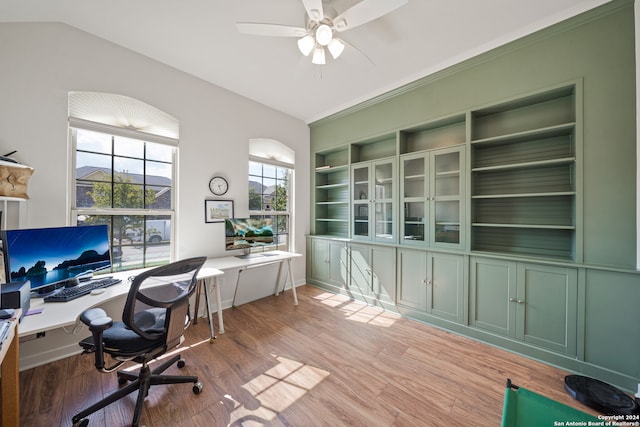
x,y
600,396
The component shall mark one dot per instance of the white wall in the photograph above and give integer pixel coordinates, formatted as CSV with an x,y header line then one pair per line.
x,y
41,63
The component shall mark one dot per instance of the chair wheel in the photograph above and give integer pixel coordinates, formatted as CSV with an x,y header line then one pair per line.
x,y
197,387
122,381
182,363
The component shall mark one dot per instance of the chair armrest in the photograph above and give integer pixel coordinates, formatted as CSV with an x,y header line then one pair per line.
x,y
96,319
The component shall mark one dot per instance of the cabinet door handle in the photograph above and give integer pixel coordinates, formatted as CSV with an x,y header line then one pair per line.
x,y
513,300
519,301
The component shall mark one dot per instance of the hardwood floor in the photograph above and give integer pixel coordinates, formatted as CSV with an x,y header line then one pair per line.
x,y
327,362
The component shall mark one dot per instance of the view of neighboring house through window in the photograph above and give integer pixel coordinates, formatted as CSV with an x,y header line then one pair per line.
x,y
127,184
269,197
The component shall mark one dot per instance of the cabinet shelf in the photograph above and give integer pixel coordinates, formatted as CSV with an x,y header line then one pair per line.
x,y
514,195
526,165
334,202
545,132
419,177
331,169
328,186
331,220
447,174
539,226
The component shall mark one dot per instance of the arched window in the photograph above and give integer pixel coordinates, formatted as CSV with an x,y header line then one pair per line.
x,y
123,154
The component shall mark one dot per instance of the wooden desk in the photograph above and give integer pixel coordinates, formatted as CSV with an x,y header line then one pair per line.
x,y
9,358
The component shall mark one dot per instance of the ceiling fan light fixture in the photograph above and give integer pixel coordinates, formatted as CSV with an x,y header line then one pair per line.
x,y
324,34
335,48
318,56
306,45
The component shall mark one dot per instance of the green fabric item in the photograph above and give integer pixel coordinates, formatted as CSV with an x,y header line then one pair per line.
x,y
524,408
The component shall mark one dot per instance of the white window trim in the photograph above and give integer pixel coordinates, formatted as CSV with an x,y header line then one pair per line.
x,y
74,211
290,194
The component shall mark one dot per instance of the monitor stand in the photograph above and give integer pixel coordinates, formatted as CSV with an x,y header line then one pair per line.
x,y
44,291
247,254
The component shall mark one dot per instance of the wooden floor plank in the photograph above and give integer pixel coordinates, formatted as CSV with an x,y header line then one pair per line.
x,y
329,361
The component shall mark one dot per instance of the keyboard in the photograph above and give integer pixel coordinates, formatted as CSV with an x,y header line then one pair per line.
x,y
68,294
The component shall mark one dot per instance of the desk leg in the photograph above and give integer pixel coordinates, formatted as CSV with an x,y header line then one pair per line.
x,y
278,279
209,317
284,285
216,283
235,291
197,302
293,285
11,384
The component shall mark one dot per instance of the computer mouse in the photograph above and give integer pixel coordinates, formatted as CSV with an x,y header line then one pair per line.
x,y
97,291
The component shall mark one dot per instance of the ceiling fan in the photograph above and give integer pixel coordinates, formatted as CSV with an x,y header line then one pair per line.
x,y
322,26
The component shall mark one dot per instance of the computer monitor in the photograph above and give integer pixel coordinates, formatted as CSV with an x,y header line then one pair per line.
x,y
248,233
48,257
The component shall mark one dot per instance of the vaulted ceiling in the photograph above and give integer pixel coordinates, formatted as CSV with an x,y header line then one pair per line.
x,y
200,37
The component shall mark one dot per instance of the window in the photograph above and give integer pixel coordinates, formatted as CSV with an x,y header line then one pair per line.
x,y
126,183
269,197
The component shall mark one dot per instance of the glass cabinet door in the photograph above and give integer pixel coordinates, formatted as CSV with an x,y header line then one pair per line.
x,y
360,201
446,195
414,188
383,202
373,206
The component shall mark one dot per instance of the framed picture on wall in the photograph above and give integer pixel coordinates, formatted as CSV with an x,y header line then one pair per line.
x,y
217,210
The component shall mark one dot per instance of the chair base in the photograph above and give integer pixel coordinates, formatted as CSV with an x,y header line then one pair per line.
x,y
140,381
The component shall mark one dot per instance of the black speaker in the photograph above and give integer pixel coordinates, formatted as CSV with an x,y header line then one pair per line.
x,y
16,295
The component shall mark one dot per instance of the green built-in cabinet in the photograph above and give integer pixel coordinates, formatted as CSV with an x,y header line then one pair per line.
x,y
504,178
372,272
329,263
515,200
471,222
431,282
533,303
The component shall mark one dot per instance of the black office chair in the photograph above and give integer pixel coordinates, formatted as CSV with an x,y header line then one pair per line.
x,y
154,318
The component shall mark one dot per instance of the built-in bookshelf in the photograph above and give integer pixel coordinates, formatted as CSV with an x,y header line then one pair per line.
x,y
523,186
332,193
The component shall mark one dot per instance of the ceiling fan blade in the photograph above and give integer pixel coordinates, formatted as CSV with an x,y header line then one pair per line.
x,y
273,30
362,54
314,9
365,11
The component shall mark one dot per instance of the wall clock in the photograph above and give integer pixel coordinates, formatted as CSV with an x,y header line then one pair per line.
x,y
218,185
